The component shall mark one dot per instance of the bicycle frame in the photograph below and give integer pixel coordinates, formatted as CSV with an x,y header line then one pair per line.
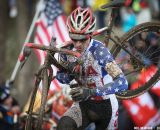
x,y
116,39
45,73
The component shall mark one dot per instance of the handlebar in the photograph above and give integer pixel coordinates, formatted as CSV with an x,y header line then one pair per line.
x,y
52,49
62,50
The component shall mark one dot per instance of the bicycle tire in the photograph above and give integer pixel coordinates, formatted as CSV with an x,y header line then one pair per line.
x,y
46,121
45,88
124,41
28,125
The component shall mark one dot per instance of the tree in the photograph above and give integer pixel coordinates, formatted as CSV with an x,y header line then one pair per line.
x,y
26,76
3,29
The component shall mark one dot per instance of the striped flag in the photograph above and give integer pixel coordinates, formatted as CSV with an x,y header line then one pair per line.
x,y
143,111
51,23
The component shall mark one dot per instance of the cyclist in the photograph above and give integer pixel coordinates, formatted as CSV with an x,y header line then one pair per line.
x,y
100,77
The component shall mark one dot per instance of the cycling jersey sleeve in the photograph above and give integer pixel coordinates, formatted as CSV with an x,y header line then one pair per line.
x,y
63,78
105,60
101,54
119,84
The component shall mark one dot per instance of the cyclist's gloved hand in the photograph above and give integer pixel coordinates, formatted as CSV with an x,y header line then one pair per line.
x,y
74,67
82,94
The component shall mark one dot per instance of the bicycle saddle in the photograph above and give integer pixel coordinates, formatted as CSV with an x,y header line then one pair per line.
x,y
114,4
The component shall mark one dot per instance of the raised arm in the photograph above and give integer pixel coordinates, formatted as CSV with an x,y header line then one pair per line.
x,y
105,59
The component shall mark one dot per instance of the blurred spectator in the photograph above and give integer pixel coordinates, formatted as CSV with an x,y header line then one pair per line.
x,y
69,5
136,6
100,14
147,41
144,14
12,8
59,106
8,110
155,8
128,19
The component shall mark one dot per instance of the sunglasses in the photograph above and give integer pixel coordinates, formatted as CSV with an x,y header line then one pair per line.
x,y
80,40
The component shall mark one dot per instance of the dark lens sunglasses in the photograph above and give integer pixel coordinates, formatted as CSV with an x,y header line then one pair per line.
x,y
80,40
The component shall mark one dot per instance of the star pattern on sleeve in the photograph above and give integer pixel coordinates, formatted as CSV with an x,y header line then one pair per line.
x,y
95,53
109,88
101,54
116,90
101,61
120,84
104,93
97,91
63,77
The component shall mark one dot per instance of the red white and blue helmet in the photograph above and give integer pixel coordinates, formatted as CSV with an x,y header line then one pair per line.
x,y
81,23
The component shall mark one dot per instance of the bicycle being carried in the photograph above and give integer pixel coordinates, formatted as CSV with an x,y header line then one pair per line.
x,y
140,45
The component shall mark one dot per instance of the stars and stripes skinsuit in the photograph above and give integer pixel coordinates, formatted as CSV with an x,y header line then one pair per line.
x,y
99,71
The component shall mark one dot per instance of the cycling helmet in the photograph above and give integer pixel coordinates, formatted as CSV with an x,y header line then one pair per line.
x,y
81,23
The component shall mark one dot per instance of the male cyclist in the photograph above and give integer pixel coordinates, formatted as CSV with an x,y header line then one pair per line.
x,y
99,78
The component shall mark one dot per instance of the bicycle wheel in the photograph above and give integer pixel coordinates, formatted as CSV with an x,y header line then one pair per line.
x,y
139,58
45,89
29,121
48,122
38,109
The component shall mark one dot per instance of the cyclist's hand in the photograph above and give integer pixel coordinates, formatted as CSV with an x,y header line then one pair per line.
x,y
74,67
81,94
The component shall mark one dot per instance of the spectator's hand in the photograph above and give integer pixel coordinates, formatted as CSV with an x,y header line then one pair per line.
x,y
15,109
81,94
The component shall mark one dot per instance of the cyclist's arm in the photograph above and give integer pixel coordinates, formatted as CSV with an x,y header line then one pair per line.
x,y
119,83
64,77
105,59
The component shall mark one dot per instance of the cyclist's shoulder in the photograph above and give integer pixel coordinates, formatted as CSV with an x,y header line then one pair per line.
x,y
96,42
97,45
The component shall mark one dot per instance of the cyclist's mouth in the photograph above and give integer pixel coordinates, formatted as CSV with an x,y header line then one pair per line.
x,y
79,49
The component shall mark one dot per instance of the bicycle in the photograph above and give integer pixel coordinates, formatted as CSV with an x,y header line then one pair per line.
x,y
48,123
136,59
45,74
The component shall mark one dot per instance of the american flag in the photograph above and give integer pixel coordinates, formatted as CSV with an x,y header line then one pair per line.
x,y
51,23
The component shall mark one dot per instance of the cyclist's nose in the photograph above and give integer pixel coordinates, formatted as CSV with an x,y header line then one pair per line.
x,y
77,44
